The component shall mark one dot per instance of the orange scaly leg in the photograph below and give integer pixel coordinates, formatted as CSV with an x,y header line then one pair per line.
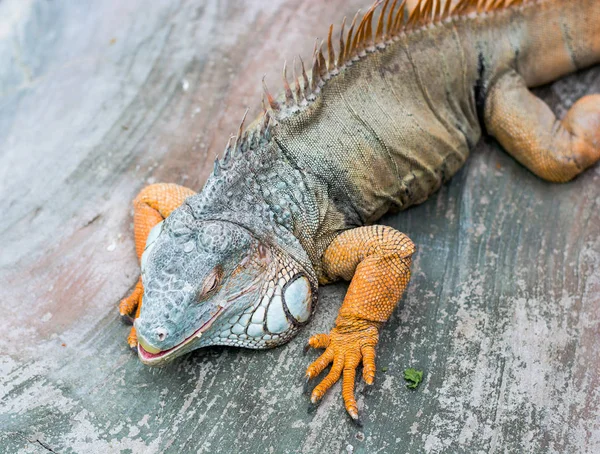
x,y
152,205
526,127
378,260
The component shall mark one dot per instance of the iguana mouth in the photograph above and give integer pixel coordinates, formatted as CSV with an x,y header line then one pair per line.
x,y
151,359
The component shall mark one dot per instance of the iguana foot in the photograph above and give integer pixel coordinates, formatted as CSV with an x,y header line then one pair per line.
x,y
349,343
129,308
129,305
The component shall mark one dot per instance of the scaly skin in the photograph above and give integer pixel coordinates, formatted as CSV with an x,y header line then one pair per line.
x,y
525,126
380,127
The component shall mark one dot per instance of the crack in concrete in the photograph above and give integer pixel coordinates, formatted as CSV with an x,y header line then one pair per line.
x,y
37,440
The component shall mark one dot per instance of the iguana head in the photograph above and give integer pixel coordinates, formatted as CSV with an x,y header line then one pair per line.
x,y
211,282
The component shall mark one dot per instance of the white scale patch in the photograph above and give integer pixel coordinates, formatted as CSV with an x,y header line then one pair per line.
x,y
277,322
259,315
237,329
297,299
255,330
244,319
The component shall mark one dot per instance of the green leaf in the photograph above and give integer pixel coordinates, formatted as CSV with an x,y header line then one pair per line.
x,y
414,377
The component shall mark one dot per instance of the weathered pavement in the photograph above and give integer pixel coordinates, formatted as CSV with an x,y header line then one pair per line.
x,y
98,99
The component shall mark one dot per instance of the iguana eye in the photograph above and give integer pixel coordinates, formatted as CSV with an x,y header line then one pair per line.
x,y
211,283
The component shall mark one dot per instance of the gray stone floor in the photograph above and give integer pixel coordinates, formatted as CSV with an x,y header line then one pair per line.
x,y
100,98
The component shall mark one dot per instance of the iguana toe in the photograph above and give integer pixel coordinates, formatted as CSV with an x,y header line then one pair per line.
x,y
132,339
129,305
346,348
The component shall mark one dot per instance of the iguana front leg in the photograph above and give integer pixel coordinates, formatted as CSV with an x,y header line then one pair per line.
x,y
378,260
524,124
151,206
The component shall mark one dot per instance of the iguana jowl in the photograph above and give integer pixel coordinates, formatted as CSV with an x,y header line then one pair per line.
x,y
380,126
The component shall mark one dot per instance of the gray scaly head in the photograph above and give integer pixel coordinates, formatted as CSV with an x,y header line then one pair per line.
x,y
224,268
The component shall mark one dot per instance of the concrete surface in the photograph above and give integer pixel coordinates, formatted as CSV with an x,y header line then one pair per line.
x,y
100,98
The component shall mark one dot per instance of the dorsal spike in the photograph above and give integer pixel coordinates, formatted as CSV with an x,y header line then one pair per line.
x,y
330,50
368,33
341,57
447,9
289,97
379,34
463,6
239,138
216,168
460,7
349,41
265,121
426,11
264,111
304,78
358,37
456,7
227,153
315,68
322,62
390,21
399,21
297,83
422,7
414,16
431,9
438,10
274,104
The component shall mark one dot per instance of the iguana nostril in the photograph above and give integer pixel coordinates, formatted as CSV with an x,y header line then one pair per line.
x,y
161,334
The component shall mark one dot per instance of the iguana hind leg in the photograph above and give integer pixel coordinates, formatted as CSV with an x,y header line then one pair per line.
x,y
526,127
152,205
378,260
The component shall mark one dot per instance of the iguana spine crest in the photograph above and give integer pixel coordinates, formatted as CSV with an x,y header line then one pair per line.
x,y
390,26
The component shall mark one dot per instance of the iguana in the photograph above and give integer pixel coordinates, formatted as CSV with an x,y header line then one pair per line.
x,y
380,124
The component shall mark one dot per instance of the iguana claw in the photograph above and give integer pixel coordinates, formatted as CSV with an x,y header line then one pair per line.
x,y
305,387
348,344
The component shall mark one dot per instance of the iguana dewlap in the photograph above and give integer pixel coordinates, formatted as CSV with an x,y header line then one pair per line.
x,y
381,123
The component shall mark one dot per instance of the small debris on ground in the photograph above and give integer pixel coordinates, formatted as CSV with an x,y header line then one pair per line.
x,y
413,376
